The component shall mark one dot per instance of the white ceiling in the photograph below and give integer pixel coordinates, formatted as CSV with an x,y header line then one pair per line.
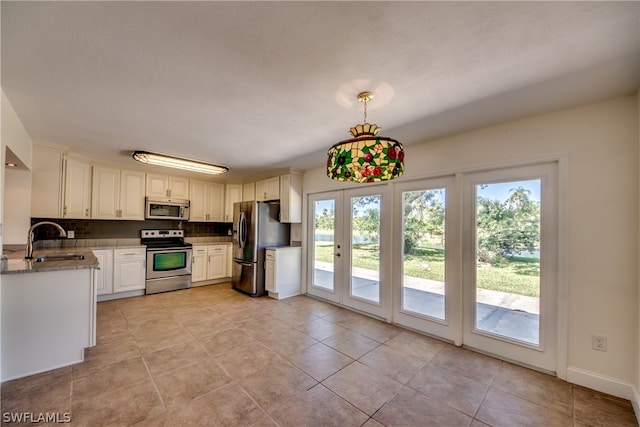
x,y
266,85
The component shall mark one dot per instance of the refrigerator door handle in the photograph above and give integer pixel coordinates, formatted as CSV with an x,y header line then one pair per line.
x,y
242,230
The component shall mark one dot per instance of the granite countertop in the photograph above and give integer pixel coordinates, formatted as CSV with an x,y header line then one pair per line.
x,y
16,264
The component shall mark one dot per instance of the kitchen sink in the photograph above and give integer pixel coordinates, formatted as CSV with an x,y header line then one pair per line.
x,y
61,257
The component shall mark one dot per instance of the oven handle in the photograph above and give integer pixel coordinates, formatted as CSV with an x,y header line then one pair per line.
x,y
184,249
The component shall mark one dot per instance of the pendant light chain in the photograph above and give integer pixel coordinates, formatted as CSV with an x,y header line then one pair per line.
x,y
365,110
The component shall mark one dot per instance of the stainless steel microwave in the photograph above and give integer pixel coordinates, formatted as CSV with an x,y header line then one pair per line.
x,y
166,209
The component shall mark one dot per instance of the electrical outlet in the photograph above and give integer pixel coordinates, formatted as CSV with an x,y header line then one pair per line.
x,y
71,234
599,342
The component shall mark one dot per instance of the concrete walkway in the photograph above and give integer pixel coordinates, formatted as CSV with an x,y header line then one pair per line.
x,y
501,313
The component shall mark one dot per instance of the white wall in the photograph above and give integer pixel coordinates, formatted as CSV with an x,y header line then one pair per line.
x,y
17,216
601,144
14,136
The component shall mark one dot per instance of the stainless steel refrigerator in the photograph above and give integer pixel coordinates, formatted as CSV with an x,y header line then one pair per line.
x,y
256,226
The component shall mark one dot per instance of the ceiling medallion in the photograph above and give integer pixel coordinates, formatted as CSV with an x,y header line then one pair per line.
x,y
366,157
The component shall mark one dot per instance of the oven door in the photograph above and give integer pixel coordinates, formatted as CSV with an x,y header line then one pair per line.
x,y
168,262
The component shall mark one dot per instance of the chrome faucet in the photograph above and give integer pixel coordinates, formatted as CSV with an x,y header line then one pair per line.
x,y
30,236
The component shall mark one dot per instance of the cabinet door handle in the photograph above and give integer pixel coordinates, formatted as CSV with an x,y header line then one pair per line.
x,y
169,193
64,211
86,212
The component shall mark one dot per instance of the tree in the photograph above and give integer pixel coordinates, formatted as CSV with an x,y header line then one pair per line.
x,y
368,224
423,216
507,228
366,216
326,220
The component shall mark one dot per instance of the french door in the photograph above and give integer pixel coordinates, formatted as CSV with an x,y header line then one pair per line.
x,y
475,261
427,296
347,240
510,263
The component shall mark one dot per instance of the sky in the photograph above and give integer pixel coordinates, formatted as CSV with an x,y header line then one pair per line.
x,y
500,191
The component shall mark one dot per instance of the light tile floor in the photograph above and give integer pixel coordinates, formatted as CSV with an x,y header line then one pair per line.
x,y
212,356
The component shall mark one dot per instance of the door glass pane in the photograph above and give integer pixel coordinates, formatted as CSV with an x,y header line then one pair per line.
x,y
324,213
423,279
508,260
365,247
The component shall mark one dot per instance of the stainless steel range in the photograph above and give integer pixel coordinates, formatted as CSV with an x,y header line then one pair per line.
x,y
168,260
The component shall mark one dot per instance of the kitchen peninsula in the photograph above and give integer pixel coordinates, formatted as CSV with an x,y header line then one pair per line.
x,y
48,310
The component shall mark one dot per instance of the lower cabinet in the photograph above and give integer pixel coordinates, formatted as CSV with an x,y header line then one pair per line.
x,y
129,269
121,270
104,276
282,271
199,263
210,262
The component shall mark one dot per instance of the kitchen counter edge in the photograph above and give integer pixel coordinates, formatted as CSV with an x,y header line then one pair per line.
x,y
16,264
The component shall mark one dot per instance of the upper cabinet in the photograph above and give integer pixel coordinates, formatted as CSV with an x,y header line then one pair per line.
x,y
268,189
132,195
117,194
233,194
291,198
249,192
46,182
176,187
207,201
77,189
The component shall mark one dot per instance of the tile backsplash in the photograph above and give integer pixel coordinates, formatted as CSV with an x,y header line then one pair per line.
x,y
116,229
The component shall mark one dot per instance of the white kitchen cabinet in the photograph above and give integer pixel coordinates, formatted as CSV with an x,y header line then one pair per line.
x,y
249,192
117,194
77,189
132,185
268,189
229,259
162,186
46,182
199,263
210,262
217,261
104,276
198,205
270,272
129,269
215,202
207,201
291,198
282,275
233,194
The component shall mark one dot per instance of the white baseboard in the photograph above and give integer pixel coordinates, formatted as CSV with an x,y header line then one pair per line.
x,y
602,383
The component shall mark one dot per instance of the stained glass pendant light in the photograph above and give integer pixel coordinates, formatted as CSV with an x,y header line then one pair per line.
x,y
366,157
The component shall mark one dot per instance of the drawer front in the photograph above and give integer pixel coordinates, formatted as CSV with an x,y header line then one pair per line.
x,y
199,250
130,253
270,255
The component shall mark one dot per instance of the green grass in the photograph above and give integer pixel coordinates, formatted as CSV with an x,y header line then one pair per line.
x,y
519,275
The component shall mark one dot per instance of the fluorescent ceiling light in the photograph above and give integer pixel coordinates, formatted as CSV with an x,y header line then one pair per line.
x,y
178,163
